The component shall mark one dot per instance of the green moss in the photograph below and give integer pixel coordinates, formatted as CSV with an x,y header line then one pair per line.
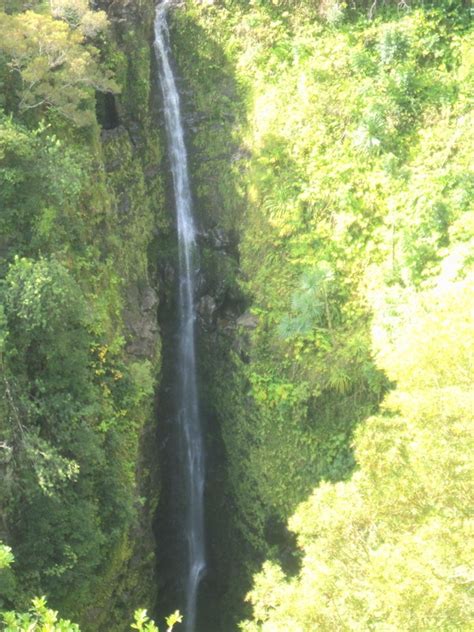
x,y
137,88
215,112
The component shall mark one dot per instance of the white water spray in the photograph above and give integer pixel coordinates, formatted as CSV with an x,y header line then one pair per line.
x,y
190,430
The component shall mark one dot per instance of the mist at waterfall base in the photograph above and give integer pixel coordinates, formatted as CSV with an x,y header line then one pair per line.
x,y
189,434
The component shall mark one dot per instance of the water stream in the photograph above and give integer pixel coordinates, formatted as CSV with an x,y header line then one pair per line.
x,y
190,436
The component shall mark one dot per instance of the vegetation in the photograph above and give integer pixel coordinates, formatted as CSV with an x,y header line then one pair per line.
x,y
352,185
76,398
333,142
42,619
389,548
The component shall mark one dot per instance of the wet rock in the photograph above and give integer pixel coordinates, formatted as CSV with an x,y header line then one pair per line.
x,y
120,10
149,300
141,321
219,239
168,274
207,311
216,238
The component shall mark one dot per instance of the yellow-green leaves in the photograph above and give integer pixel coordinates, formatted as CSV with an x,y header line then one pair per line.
x,y
51,66
392,549
143,623
40,618
79,16
173,618
6,556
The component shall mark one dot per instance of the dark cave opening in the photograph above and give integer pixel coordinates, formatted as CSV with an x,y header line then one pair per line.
x,y
106,110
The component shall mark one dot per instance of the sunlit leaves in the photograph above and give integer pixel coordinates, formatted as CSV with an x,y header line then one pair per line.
x,y
42,297
393,45
55,71
6,556
41,179
393,547
40,618
78,15
143,623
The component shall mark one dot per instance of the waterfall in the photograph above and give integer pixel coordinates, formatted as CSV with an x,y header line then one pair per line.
x,y
188,419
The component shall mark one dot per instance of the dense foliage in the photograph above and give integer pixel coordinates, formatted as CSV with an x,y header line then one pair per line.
x,y
352,177
74,396
40,618
334,142
392,548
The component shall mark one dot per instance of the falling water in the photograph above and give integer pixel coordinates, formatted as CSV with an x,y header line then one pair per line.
x,y
189,424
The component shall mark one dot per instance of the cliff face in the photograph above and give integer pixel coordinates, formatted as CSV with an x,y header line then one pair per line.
x,y
93,209
133,159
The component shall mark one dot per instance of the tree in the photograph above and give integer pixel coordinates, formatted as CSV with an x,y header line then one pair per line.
x,y
79,16
392,549
40,618
53,68
51,399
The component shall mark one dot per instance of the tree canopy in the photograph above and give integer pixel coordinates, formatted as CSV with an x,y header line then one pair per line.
x,y
49,65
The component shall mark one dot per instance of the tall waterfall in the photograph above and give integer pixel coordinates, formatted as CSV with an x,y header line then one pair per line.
x,y
188,419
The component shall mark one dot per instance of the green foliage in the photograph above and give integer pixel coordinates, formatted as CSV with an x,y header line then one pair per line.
x,y
144,624
74,409
341,149
391,547
41,180
79,16
6,556
60,77
353,181
42,297
39,619
68,404
77,215
311,307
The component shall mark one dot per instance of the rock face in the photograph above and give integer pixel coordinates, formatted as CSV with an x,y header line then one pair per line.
x,y
217,239
140,318
132,154
126,10
206,309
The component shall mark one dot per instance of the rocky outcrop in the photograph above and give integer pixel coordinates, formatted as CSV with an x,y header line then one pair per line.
x,y
127,11
132,161
140,316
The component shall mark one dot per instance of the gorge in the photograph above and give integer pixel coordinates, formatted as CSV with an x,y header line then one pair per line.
x,y
236,246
